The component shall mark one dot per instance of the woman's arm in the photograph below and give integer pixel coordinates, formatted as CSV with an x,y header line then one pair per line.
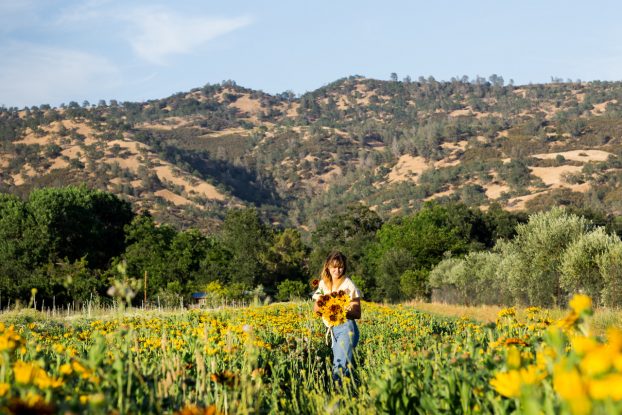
x,y
316,308
355,309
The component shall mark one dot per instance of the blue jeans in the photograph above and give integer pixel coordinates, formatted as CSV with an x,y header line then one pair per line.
x,y
345,339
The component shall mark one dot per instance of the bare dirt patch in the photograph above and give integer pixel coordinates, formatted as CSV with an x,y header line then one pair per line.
x,y
447,192
578,155
59,163
494,190
460,145
176,199
18,179
26,172
30,138
461,113
331,174
166,173
73,152
602,107
293,110
408,168
80,128
553,176
130,163
133,146
228,131
247,104
446,162
168,123
4,162
518,203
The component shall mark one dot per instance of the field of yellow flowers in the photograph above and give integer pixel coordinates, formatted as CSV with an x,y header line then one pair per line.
x,y
273,359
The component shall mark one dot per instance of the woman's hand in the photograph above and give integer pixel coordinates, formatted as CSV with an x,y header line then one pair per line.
x,y
316,308
354,313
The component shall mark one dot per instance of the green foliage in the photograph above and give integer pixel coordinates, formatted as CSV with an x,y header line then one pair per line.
x,y
76,222
414,284
72,281
147,251
610,267
533,258
472,280
291,290
516,174
579,265
246,237
58,241
420,241
285,258
351,232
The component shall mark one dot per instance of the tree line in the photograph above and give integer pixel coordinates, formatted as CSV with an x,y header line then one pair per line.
x,y
73,243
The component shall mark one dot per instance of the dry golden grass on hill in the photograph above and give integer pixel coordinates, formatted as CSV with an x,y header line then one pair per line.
x,y
408,168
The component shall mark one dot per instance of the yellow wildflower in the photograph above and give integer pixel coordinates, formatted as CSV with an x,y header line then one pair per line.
x,y
608,387
597,361
23,372
507,383
45,381
33,399
4,388
65,369
614,339
580,406
569,321
580,303
510,383
567,382
513,358
582,344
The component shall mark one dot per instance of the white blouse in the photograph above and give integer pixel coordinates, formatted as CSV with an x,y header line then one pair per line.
x,y
347,285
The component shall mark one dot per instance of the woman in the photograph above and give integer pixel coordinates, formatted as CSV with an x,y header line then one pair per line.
x,y
344,336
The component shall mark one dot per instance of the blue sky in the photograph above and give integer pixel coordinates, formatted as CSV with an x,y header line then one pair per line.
x,y
55,51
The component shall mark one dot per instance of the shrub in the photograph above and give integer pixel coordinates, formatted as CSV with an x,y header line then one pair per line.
x,y
579,268
290,290
532,260
414,284
610,267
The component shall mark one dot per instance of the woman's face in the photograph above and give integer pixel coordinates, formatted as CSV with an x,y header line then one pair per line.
x,y
336,270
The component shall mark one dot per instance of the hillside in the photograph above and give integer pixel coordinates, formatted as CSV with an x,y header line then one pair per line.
x,y
391,145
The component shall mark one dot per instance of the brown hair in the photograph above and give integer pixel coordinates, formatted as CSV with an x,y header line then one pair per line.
x,y
334,258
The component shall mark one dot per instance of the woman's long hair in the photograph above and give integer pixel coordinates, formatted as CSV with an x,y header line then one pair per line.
x,y
335,258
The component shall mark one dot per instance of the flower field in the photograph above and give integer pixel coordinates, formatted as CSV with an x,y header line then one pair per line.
x,y
273,359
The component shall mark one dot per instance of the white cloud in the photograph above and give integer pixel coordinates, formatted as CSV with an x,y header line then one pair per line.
x,y
34,75
156,34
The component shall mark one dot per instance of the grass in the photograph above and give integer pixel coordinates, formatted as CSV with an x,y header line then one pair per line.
x,y
602,319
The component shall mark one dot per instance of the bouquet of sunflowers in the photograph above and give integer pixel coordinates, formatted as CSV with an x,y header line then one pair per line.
x,y
333,308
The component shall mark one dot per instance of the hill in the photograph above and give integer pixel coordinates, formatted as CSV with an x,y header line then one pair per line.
x,y
390,145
